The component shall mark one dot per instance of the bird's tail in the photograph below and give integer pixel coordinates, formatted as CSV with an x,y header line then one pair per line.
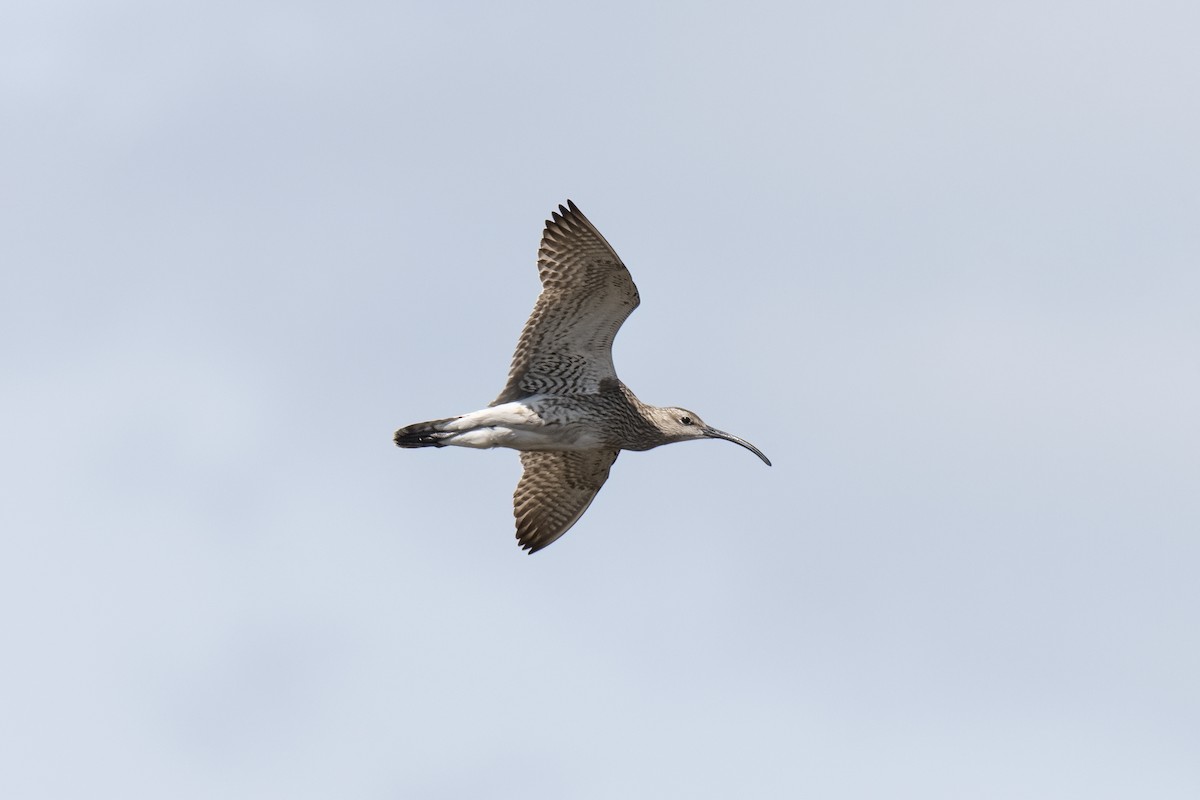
x,y
424,434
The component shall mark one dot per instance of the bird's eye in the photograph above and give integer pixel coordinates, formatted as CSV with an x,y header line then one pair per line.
x,y
686,420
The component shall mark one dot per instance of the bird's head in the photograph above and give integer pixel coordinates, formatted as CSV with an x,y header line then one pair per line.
x,y
681,425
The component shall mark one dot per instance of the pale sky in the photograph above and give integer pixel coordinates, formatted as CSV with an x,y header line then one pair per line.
x,y
940,261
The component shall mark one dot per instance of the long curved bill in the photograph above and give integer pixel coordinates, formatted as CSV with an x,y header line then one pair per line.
x,y
729,437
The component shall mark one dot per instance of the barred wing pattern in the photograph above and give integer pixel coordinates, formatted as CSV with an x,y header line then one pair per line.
x,y
587,293
554,491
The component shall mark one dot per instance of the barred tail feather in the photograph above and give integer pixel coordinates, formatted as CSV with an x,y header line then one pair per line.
x,y
424,434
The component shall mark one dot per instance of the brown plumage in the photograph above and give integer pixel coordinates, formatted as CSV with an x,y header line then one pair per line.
x,y
563,406
587,294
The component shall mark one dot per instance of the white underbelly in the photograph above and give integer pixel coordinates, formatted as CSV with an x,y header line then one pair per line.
x,y
517,426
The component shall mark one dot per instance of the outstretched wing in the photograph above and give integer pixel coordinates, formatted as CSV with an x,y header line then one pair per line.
x,y
554,491
587,293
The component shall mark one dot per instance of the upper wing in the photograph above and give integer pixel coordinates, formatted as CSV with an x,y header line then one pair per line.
x,y
566,346
554,491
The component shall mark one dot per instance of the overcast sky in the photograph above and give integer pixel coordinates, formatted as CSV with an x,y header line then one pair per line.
x,y
940,261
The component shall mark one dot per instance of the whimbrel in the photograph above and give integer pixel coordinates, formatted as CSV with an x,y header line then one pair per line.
x,y
564,407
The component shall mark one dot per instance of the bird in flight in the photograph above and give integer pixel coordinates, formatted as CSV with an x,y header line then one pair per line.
x,y
564,408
